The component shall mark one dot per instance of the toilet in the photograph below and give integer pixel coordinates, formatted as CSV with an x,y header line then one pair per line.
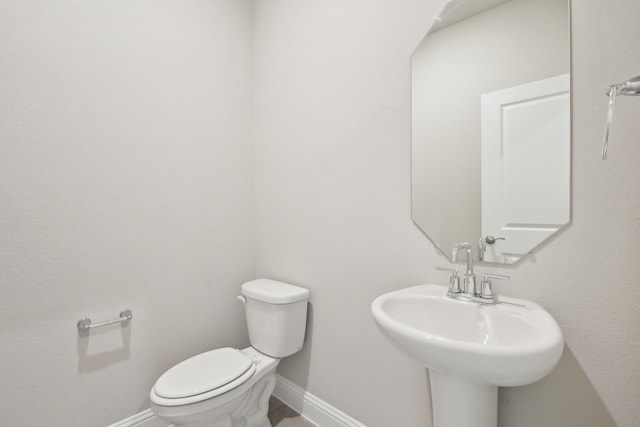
x,y
228,387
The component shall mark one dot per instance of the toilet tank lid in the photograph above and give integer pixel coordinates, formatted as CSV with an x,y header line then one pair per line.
x,y
274,292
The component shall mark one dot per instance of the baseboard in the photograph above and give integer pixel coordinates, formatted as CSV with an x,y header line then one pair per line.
x,y
141,419
311,407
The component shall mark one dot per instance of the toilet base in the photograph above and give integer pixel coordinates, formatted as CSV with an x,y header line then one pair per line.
x,y
253,411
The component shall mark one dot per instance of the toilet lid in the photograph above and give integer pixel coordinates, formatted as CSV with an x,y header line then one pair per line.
x,y
216,369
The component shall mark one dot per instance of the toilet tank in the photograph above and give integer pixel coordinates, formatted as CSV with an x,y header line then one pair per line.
x,y
276,316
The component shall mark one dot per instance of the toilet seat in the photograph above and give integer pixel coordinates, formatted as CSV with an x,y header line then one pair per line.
x,y
203,377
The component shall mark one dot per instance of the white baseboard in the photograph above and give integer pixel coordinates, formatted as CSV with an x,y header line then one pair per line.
x,y
311,407
141,419
306,404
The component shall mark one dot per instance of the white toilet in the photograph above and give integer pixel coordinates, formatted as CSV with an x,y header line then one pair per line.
x,y
228,387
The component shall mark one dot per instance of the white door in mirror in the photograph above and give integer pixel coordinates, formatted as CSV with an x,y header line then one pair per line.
x,y
525,165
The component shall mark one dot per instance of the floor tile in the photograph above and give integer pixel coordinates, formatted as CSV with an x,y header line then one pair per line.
x,y
281,415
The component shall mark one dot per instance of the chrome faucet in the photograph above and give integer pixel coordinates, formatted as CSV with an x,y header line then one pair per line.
x,y
470,292
469,276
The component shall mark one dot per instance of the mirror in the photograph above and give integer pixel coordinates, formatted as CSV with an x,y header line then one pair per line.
x,y
491,127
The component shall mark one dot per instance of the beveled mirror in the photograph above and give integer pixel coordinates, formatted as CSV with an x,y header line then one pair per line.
x,y
491,127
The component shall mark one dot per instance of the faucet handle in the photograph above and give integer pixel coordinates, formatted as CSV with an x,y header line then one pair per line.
x,y
454,280
486,290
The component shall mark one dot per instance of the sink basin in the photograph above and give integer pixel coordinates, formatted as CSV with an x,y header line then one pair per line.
x,y
469,348
512,343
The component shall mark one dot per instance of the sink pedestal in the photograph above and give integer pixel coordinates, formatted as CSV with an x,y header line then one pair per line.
x,y
458,403
470,349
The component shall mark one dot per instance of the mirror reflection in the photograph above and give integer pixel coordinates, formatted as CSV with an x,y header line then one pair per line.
x,y
491,126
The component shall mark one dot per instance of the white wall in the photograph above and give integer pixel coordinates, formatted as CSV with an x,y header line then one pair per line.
x,y
125,181
126,178
333,210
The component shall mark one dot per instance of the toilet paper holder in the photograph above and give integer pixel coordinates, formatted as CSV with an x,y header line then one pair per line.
x,y
85,323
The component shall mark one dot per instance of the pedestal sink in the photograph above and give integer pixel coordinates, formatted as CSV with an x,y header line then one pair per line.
x,y
470,349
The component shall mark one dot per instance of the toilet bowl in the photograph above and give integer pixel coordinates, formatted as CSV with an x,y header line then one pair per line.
x,y
183,398
228,387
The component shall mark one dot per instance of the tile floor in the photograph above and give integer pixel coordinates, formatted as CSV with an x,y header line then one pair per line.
x,y
281,415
